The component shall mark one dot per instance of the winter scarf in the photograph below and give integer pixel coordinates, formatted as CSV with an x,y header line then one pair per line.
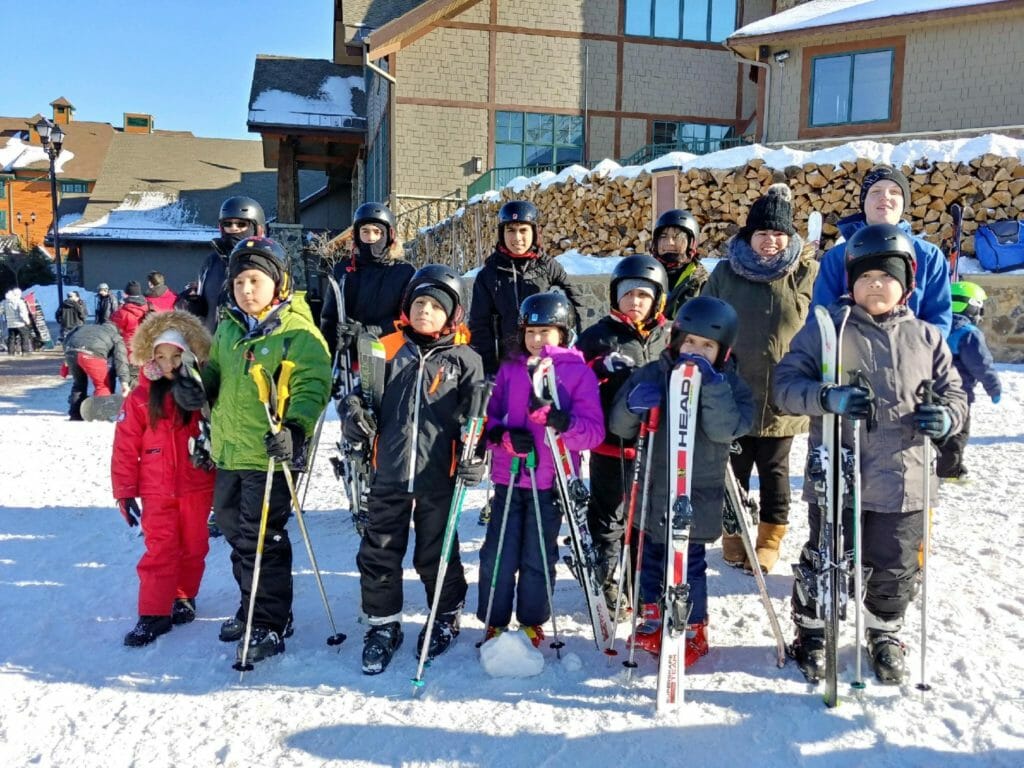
x,y
746,263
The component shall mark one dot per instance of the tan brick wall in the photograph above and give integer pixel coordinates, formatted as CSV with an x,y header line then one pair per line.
x,y
478,14
602,139
446,64
552,69
596,16
754,10
434,146
688,81
633,136
944,85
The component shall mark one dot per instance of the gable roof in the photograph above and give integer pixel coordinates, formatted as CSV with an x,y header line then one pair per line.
x,y
84,151
374,13
821,16
170,187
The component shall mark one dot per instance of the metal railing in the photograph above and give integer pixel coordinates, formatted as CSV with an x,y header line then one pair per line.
x,y
495,178
692,146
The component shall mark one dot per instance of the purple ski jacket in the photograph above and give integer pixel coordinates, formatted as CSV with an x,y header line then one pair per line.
x,y
509,406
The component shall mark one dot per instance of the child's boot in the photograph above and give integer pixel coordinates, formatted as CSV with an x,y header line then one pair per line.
x,y
648,634
148,629
184,610
769,539
535,634
379,646
808,649
888,656
733,551
442,634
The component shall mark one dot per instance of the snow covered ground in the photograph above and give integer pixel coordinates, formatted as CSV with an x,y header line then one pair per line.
x,y
73,695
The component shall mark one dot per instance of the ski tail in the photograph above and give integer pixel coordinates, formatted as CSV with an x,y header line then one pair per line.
x,y
814,224
957,212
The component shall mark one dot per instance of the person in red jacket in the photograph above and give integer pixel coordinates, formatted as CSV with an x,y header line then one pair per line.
x,y
159,295
152,460
128,317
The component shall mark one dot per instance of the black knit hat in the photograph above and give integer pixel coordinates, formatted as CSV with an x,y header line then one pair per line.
x,y
436,292
893,265
885,173
772,211
133,288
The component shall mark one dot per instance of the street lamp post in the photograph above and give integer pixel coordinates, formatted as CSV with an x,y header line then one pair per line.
x,y
53,139
30,219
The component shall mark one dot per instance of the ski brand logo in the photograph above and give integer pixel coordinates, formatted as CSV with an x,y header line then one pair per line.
x,y
684,409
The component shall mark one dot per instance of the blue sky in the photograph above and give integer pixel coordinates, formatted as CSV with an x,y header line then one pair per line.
x,y
187,62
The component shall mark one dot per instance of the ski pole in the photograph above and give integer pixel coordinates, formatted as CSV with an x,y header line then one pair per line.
x,y
531,467
513,473
645,446
477,410
275,401
243,665
927,394
858,558
630,663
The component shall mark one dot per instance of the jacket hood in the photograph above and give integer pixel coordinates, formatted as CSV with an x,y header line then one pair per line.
x,y
187,324
849,225
13,295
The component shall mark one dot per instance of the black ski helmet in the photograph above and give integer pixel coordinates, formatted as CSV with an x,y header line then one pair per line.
x,y
241,207
548,308
439,277
640,267
263,254
681,219
711,318
518,212
875,246
374,213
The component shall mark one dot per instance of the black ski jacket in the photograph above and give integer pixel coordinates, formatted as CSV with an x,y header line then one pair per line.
x,y
613,334
372,292
725,411
499,289
212,291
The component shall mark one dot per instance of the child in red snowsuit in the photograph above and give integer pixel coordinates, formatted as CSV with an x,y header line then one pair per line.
x,y
152,460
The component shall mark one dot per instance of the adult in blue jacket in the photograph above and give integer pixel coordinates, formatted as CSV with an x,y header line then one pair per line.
x,y
884,195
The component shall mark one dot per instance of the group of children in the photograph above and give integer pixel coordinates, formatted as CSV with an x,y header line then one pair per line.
x,y
608,381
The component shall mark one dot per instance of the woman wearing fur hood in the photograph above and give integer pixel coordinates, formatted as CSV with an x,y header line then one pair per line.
x,y
152,461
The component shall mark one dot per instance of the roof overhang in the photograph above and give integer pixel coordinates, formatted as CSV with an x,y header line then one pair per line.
x,y
397,33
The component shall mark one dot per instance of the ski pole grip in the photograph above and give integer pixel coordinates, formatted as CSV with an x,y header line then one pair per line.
x,y
259,377
926,391
651,424
287,366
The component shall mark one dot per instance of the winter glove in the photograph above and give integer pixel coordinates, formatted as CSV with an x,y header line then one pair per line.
x,y
614,364
359,424
932,419
471,471
996,399
549,416
643,396
188,392
518,441
347,333
849,401
708,374
283,445
129,509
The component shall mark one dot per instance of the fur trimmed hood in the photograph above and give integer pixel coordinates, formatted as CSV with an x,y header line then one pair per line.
x,y
185,323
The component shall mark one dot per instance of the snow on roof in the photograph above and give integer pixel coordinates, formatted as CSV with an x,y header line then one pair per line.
x,y
147,215
825,13
17,154
330,108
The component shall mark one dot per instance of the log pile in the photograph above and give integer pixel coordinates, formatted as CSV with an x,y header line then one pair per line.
x,y
605,215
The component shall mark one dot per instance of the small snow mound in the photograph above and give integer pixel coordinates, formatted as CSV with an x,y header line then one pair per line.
x,y
510,654
572,662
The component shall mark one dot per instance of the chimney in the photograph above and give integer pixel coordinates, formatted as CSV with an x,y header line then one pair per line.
x,y
62,109
138,122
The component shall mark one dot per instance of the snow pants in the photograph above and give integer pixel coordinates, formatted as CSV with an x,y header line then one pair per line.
x,y
238,506
889,543
386,540
605,510
951,452
25,334
83,369
652,576
177,540
771,457
520,566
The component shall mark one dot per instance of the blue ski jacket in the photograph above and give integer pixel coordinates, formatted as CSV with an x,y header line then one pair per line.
x,y
972,358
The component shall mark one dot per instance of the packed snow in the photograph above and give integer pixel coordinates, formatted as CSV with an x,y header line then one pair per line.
x,y
143,214
75,696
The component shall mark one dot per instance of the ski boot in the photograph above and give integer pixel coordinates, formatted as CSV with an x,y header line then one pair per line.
x,y
263,643
184,611
648,634
212,528
535,634
696,643
379,646
442,635
888,656
492,632
231,631
808,649
147,630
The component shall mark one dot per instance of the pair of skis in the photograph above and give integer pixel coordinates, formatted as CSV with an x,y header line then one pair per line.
x,y
574,495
